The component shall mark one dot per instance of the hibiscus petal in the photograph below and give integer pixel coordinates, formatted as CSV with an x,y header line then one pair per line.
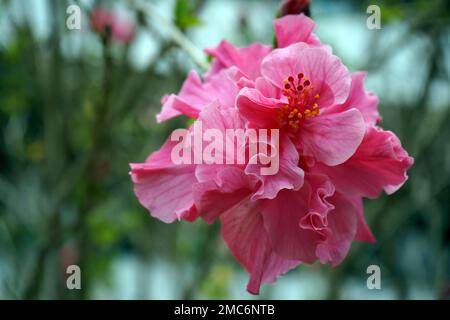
x,y
164,188
342,222
215,117
334,138
258,109
174,106
289,176
380,163
195,95
247,59
363,232
294,28
365,102
214,197
244,233
283,214
266,88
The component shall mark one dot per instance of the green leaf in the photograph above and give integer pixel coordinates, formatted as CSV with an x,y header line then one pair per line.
x,y
184,15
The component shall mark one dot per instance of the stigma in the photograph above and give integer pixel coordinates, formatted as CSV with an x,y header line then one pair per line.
x,y
302,102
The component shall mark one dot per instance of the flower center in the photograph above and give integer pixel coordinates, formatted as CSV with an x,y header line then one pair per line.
x,y
302,103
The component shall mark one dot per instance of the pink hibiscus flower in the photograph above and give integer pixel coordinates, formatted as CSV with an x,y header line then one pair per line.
x,y
121,29
330,151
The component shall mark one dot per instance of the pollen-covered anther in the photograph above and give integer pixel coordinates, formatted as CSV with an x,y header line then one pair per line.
x,y
301,101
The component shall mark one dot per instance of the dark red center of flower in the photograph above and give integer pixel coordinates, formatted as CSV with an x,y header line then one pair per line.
x,y
301,104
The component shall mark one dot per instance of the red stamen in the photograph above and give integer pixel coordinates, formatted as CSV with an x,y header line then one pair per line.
x,y
300,101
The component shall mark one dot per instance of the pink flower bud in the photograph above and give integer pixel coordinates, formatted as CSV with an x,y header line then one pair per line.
x,y
110,24
294,7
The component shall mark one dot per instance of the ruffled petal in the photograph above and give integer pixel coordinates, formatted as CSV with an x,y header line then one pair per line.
x,y
288,176
342,224
283,215
380,163
195,95
244,233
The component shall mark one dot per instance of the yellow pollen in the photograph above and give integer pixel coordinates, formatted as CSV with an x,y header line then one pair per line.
x,y
293,124
300,106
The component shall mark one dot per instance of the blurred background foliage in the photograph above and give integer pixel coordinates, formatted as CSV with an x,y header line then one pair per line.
x,y
77,106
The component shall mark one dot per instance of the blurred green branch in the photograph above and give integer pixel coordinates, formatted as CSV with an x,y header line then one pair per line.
x,y
71,123
175,34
